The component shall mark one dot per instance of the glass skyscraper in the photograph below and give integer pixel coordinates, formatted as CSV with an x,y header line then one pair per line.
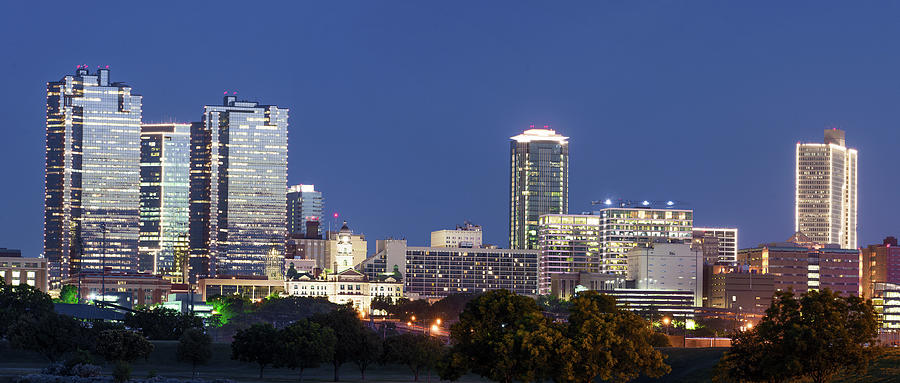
x,y
165,167
92,174
539,183
238,183
304,204
825,200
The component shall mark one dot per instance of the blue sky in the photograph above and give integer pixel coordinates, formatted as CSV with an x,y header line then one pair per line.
x,y
401,112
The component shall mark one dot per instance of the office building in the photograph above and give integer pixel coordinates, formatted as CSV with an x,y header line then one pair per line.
x,y
347,287
742,292
238,183
880,264
92,178
17,270
886,299
569,244
566,285
800,265
825,191
539,183
165,208
466,235
304,204
667,266
122,287
627,224
721,244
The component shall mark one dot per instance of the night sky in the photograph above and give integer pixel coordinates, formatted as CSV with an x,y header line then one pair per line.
x,y
401,112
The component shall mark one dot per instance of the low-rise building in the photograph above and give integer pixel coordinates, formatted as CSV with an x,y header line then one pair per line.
x,y
466,235
252,287
886,299
743,292
880,264
347,286
143,289
566,285
18,270
436,272
667,266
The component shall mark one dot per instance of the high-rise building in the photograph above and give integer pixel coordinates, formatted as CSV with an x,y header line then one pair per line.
x,y
667,266
92,174
723,243
304,204
165,208
539,183
466,235
880,264
569,243
825,199
625,227
238,183
800,265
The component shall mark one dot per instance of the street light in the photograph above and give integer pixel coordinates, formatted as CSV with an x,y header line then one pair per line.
x,y
666,322
438,321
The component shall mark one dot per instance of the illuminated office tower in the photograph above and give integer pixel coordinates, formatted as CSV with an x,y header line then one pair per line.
x,y
825,200
539,183
92,174
722,242
165,167
304,204
238,183
630,223
569,243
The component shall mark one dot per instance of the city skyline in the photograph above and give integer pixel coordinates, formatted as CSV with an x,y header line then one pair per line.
x,y
340,141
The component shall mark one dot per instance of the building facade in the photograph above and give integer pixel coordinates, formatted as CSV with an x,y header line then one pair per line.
x,y
724,243
880,264
435,272
539,183
165,199
801,264
304,204
238,183
825,192
624,228
347,286
92,177
16,270
466,235
252,287
667,266
742,292
118,286
569,243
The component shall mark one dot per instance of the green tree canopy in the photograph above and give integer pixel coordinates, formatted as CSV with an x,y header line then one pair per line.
x,y
348,329
16,301
416,351
160,323
49,334
122,346
68,294
369,347
504,337
608,343
305,344
813,337
256,344
194,347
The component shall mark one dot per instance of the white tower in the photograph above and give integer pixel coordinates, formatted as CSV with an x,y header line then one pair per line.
x,y
344,258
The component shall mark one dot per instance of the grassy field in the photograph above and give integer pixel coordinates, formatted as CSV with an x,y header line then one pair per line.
x,y
688,365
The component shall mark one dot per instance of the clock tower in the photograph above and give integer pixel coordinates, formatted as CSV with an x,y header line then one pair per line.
x,y
344,258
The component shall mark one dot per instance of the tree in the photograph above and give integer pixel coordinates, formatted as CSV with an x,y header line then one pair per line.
x,y
814,338
122,346
291,273
608,343
49,334
504,337
227,307
68,294
368,350
160,323
16,301
416,351
256,344
305,344
194,347
345,323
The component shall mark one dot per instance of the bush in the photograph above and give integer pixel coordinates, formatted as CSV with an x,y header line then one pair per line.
x,y
659,339
85,370
121,372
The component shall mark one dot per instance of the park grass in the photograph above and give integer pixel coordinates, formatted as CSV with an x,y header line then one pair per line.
x,y
688,365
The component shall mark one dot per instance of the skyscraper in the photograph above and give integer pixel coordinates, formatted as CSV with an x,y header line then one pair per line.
x,y
539,183
92,174
165,168
304,203
238,183
825,199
